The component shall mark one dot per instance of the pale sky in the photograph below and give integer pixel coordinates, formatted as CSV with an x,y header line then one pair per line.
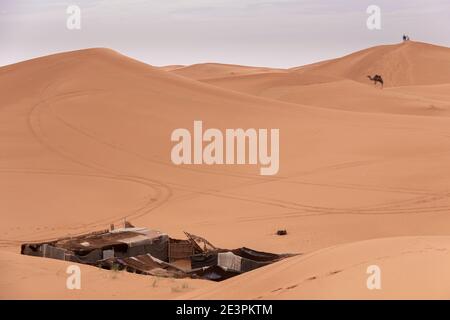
x,y
275,33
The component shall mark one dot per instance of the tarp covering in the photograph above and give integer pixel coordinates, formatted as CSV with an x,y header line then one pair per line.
x,y
229,261
248,265
214,273
180,249
256,255
143,264
88,258
31,249
221,264
108,254
49,251
203,260
157,249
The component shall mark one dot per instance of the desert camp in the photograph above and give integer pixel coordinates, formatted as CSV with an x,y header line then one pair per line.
x,y
264,129
150,252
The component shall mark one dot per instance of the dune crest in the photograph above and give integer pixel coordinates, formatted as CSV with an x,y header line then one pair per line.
x,y
203,71
408,63
343,83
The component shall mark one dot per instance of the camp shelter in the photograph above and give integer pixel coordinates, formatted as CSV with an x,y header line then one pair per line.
x,y
143,264
180,249
214,273
221,264
150,252
92,247
258,255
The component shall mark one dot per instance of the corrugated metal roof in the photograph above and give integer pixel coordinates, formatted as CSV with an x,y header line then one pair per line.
x,y
136,240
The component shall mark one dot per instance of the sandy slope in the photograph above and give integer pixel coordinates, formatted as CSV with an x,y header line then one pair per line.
x,y
172,67
410,268
408,63
203,71
342,83
86,142
37,278
344,95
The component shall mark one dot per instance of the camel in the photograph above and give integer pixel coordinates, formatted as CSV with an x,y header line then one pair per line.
x,y
377,78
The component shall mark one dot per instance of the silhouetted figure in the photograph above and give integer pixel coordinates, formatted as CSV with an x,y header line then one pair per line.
x,y
404,37
377,78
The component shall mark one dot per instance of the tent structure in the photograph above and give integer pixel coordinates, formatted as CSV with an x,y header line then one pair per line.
x,y
143,264
222,264
150,252
93,247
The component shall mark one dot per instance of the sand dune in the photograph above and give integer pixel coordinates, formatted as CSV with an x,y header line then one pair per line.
x,y
86,142
48,278
408,63
172,67
411,268
343,84
342,94
205,71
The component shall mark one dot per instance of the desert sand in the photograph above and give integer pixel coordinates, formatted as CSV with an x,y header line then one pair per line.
x,y
363,173
204,71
